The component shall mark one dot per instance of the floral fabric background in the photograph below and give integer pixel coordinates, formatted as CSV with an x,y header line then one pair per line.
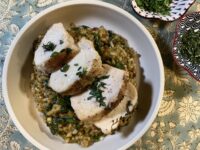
x,y
177,125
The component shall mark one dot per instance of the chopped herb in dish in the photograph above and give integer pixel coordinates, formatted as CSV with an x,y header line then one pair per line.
x,y
64,68
49,46
190,46
157,6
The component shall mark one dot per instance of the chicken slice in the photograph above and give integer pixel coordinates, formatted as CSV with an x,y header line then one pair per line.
x,y
111,121
86,105
80,71
56,48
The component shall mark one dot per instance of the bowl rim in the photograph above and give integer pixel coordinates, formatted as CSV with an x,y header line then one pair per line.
x,y
66,4
175,39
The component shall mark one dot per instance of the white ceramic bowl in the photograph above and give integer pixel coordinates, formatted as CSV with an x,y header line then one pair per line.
x,y
18,66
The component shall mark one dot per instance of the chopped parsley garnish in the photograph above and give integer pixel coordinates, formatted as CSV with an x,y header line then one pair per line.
x,y
67,50
45,82
190,46
61,42
63,120
75,64
65,108
158,6
111,35
96,138
54,54
64,68
96,90
49,46
85,27
97,43
79,68
82,73
119,65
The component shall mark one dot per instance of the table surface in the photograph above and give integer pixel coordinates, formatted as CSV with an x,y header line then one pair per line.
x,y
177,125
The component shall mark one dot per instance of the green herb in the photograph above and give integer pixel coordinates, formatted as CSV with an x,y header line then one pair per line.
x,y
53,126
54,54
45,82
119,65
96,138
97,43
65,68
190,46
96,90
158,6
79,68
67,50
111,35
85,27
82,73
66,120
64,102
61,41
56,120
49,46
75,64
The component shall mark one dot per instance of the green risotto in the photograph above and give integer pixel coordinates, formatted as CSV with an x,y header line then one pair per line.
x,y
56,109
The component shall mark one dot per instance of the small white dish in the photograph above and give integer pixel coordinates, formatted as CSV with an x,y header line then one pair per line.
x,y
18,67
178,8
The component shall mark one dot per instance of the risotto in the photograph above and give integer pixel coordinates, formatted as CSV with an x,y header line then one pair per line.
x,y
56,108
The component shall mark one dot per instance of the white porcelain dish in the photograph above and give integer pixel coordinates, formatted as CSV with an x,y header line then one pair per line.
x,y
178,8
18,66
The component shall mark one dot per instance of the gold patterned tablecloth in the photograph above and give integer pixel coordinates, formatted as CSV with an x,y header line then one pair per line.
x,y
177,125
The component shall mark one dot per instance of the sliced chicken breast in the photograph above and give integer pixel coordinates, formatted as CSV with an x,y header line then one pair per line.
x,y
79,72
111,121
56,48
103,95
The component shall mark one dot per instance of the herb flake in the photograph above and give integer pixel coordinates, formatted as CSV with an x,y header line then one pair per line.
x,y
61,42
190,46
75,64
82,73
65,68
54,54
49,46
119,65
68,50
